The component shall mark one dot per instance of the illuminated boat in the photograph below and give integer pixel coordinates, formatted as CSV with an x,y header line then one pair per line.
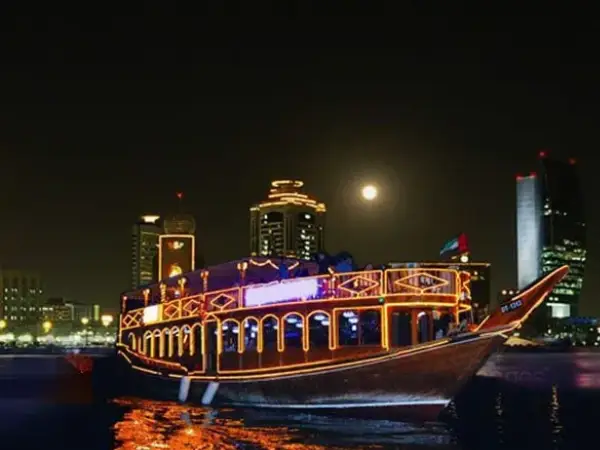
x,y
354,342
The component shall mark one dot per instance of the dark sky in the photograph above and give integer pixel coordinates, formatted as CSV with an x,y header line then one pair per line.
x,y
105,115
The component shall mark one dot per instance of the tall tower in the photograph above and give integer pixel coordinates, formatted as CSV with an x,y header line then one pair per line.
x,y
289,223
177,245
564,232
529,231
551,231
144,248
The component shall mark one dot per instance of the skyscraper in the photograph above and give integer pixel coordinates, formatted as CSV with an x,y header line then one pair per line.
x,y
177,246
144,248
288,223
551,231
564,233
529,231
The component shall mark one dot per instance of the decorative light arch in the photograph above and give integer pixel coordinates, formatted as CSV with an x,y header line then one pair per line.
x,y
132,341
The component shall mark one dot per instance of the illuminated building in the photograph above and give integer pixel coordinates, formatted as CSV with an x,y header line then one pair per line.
x,y
21,298
61,310
57,310
480,279
144,248
551,231
177,245
529,231
288,223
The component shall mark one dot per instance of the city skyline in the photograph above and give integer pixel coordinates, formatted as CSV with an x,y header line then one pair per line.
x,y
88,149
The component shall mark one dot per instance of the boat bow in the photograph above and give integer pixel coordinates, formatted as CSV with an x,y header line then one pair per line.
x,y
512,313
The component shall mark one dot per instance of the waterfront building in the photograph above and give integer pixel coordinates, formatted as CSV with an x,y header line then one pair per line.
x,y
20,296
551,231
59,310
144,248
289,223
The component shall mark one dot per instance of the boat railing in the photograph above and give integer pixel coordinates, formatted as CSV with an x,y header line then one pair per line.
x,y
443,286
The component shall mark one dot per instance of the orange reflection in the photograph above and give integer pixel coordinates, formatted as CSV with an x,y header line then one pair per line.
x,y
157,425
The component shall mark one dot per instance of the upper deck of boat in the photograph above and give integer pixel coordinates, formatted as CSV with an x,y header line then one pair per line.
x,y
254,286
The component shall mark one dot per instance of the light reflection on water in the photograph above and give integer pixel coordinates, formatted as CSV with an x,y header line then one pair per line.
x,y
149,425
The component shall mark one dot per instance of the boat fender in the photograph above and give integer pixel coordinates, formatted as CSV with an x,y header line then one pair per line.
x,y
184,388
210,392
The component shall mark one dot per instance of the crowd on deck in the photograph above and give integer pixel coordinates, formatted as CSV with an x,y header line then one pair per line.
x,y
343,262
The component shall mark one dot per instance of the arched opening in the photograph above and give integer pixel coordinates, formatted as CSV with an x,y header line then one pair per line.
x,y
269,333
147,347
424,327
229,346
230,330
319,324
250,326
174,343
293,331
249,330
269,343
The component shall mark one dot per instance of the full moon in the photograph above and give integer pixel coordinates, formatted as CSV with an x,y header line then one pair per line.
x,y
369,192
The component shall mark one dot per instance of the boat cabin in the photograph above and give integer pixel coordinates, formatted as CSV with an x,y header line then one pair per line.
x,y
242,318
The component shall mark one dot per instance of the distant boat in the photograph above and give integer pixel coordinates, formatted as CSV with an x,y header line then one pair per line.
x,y
360,342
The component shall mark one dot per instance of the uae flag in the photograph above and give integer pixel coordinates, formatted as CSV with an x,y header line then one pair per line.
x,y
458,244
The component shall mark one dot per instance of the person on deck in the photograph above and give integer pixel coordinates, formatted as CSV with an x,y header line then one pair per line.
x,y
284,271
323,261
344,262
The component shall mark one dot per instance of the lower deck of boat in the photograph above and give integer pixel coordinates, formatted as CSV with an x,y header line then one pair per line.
x,y
412,381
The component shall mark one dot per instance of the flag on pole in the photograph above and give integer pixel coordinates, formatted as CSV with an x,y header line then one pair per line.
x,y
458,244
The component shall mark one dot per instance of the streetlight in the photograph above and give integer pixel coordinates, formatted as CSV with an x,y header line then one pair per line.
x,y
47,326
106,320
84,322
3,324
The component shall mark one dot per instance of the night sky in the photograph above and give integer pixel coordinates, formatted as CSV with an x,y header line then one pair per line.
x,y
103,117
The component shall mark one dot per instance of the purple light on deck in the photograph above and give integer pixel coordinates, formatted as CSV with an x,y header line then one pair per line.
x,y
281,291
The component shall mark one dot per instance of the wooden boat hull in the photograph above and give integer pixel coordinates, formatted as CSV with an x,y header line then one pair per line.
x,y
418,382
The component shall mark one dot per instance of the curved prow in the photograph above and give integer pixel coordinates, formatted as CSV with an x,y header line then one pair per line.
x,y
513,312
